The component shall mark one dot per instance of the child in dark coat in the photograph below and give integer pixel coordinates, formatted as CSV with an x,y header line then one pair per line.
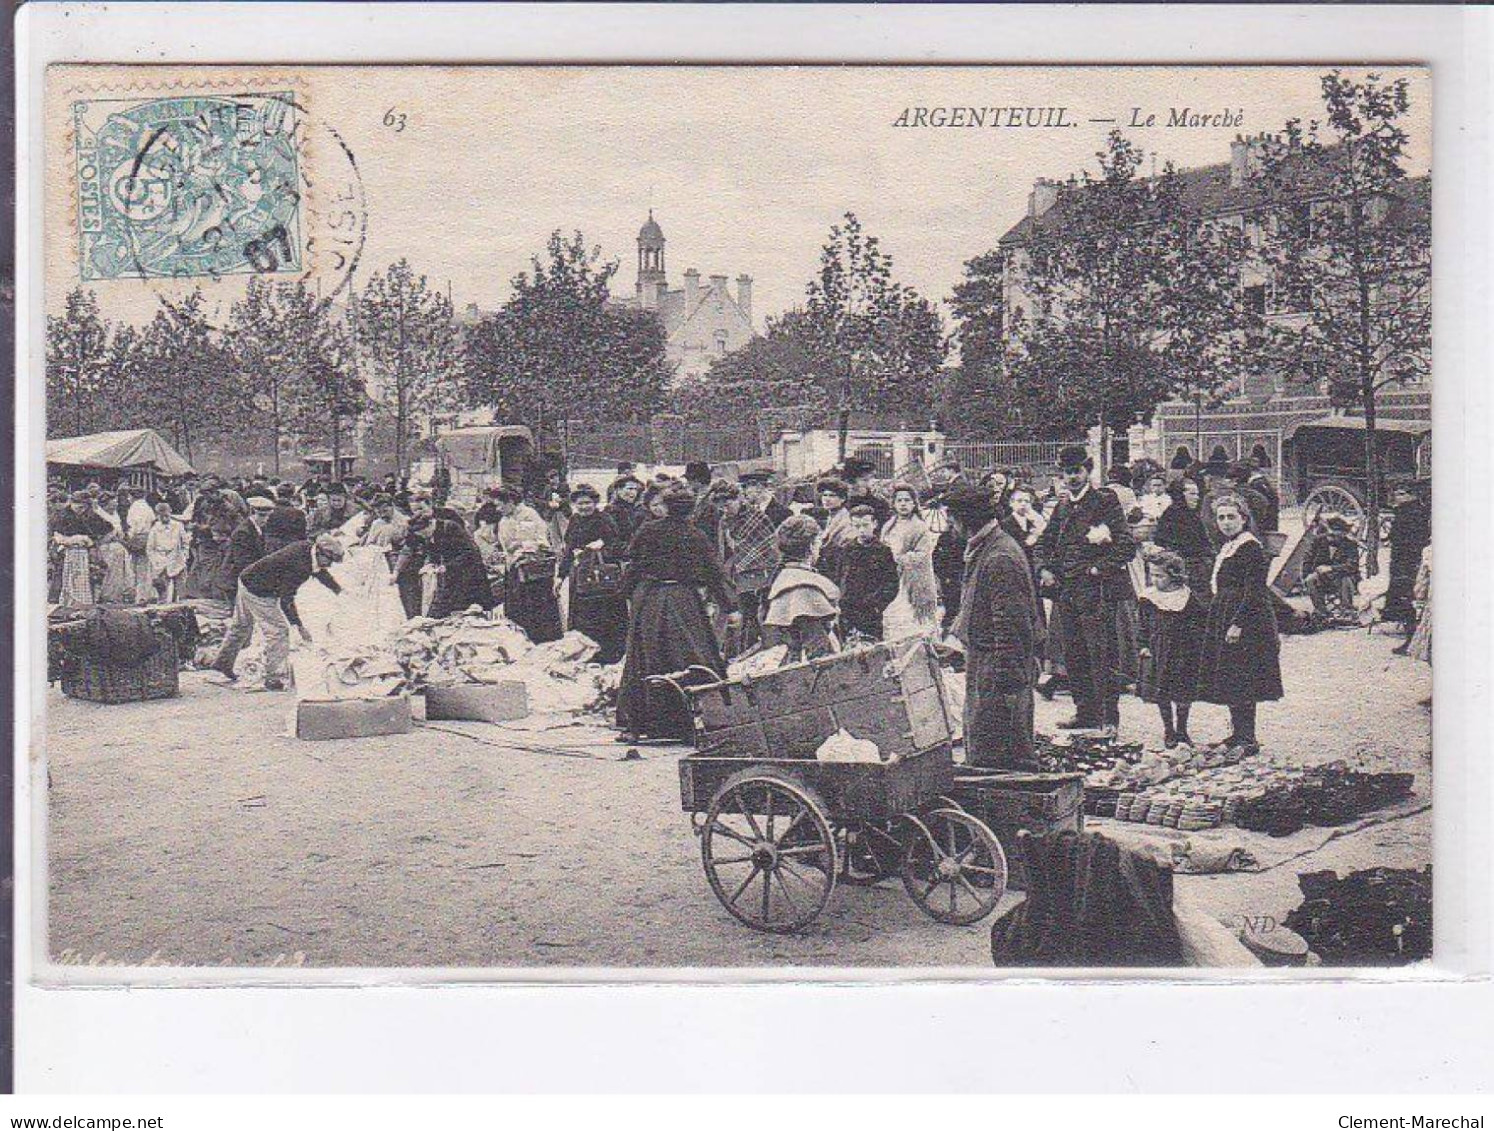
x,y
1171,630
868,579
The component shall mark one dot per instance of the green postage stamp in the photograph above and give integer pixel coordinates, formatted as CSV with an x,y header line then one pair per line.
x,y
188,186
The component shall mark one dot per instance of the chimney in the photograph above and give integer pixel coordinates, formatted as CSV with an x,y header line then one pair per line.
x,y
1239,161
692,288
1043,197
718,284
744,295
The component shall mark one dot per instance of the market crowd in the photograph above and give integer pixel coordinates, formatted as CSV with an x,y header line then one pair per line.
x,y
1154,582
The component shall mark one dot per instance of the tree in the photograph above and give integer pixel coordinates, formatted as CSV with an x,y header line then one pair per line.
x,y
1353,253
782,368
406,334
979,397
184,376
264,358
885,342
1136,297
293,354
327,391
559,348
77,341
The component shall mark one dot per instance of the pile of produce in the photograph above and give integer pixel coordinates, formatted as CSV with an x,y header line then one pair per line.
x,y
1376,917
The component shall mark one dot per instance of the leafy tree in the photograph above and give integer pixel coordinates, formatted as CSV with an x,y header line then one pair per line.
x,y
77,344
327,394
185,379
883,341
559,348
264,357
294,355
406,335
1135,298
1353,254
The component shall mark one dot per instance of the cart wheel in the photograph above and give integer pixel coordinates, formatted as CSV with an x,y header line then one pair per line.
x,y
769,851
869,853
953,867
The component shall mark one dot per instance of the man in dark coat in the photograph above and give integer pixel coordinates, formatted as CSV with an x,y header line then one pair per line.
x,y
1085,551
1409,534
287,522
998,625
245,546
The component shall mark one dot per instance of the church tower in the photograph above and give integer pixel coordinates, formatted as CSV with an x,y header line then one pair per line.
x,y
651,277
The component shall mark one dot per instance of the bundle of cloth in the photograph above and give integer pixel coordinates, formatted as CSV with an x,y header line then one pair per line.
x,y
1375,917
1090,902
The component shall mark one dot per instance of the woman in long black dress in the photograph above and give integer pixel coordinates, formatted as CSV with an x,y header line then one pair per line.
x,y
670,562
1240,662
591,535
463,580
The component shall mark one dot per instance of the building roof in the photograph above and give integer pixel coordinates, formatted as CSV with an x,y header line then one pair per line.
x,y
651,233
1207,191
136,447
1357,424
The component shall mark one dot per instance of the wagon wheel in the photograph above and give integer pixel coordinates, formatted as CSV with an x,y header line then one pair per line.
x,y
954,867
769,851
1336,496
869,853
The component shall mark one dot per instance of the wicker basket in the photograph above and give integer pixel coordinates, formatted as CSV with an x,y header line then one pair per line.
x,y
155,677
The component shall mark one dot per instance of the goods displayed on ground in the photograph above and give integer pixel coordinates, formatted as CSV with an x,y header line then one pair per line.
x,y
1190,789
1374,917
780,825
121,655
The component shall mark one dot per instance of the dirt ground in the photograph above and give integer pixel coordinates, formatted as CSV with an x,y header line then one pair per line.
x,y
194,831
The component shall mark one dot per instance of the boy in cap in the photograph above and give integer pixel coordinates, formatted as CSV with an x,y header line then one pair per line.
x,y
757,490
1085,553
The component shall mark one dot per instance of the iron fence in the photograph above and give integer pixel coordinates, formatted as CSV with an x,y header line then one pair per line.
x,y
1028,457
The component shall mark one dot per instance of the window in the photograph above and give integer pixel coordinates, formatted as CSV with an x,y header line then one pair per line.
x,y
720,341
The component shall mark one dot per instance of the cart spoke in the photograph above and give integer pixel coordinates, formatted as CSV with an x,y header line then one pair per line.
x,y
718,861
792,825
952,891
736,895
929,891
788,897
791,869
746,810
801,850
980,870
771,792
975,895
767,892
732,834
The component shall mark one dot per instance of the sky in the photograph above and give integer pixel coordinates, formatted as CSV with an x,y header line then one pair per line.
x,y
745,169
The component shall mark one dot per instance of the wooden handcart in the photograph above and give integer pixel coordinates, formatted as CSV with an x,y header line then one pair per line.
x,y
778,828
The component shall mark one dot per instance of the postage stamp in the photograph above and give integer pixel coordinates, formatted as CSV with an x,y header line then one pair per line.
x,y
188,186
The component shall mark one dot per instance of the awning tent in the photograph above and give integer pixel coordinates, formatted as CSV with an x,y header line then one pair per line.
x,y
119,451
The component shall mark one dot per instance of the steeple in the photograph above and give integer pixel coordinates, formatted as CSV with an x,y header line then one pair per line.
x,y
651,276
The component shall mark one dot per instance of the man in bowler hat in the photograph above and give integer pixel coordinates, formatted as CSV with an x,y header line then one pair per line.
x,y
1084,552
